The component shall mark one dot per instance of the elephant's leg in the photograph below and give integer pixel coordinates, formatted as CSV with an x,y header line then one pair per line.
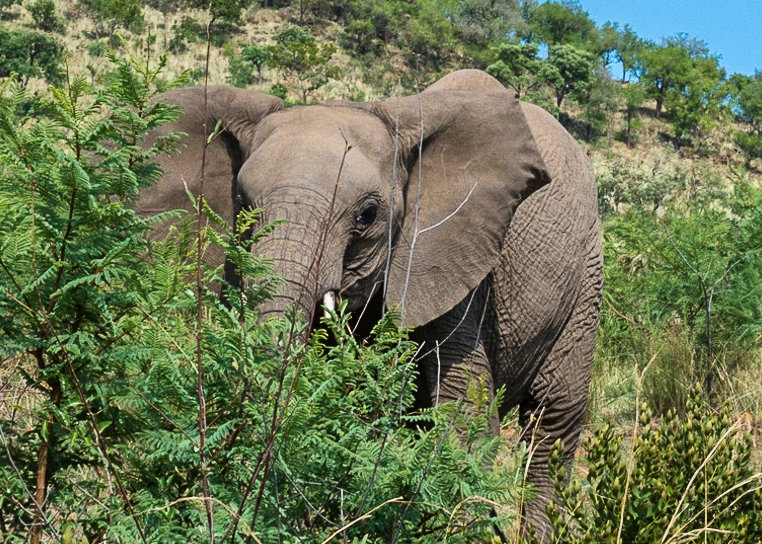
x,y
456,351
557,401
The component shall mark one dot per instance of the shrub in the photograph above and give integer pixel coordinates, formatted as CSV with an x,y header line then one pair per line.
x,y
681,479
152,411
44,16
29,54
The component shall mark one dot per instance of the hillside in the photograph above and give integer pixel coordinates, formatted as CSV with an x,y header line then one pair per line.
x,y
104,384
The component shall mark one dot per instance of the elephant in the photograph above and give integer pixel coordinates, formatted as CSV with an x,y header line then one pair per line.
x,y
471,211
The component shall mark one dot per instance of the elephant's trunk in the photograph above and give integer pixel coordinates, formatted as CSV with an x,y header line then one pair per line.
x,y
311,271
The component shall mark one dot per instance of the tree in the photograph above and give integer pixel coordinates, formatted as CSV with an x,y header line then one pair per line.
x,y
226,10
114,13
387,18
360,33
696,106
485,21
627,50
431,35
253,57
598,101
554,23
665,67
608,38
29,54
634,95
748,98
517,66
297,53
567,70
44,15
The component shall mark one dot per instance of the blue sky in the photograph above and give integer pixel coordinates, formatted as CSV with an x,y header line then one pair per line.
x,y
731,28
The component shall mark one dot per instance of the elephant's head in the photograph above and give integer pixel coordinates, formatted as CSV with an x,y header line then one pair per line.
x,y
408,197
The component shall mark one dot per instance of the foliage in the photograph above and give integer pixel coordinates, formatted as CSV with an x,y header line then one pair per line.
x,y
225,10
748,97
628,48
184,31
682,479
44,15
697,107
69,274
297,53
516,66
139,397
633,95
598,101
686,269
252,58
556,23
567,70
29,54
114,13
665,67
431,35
485,21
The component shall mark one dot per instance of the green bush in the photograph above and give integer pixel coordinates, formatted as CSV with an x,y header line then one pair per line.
x,y
682,282
679,479
187,30
29,54
148,410
44,16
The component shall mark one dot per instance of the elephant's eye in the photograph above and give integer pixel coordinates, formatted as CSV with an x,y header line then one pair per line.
x,y
365,217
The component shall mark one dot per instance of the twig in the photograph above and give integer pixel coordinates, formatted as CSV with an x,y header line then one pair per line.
x,y
361,518
417,204
401,518
200,201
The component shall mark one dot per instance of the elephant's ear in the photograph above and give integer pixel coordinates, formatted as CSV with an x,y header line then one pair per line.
x,y
237,111
470,161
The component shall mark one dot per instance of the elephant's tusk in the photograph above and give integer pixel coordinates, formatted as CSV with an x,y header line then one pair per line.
x,y
329,301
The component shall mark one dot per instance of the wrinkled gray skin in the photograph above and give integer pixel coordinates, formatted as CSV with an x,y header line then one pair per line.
x,y
510,293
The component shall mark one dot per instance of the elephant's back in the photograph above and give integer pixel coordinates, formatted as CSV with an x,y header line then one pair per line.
x,y
551,251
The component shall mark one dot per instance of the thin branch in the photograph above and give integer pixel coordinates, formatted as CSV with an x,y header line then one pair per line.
x,y
417,204
451,215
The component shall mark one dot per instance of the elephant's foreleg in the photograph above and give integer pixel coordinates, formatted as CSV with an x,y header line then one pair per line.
x,y
455,352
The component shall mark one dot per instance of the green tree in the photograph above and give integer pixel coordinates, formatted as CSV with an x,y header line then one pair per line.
x,y
225,10
567,70
387,18
665,67
298,55
516,66
252,59
114,13
633,96
483,22
696,107
29,54
555,23
628,49
360,34
607,42
431,36
747,95
44,15
598,102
